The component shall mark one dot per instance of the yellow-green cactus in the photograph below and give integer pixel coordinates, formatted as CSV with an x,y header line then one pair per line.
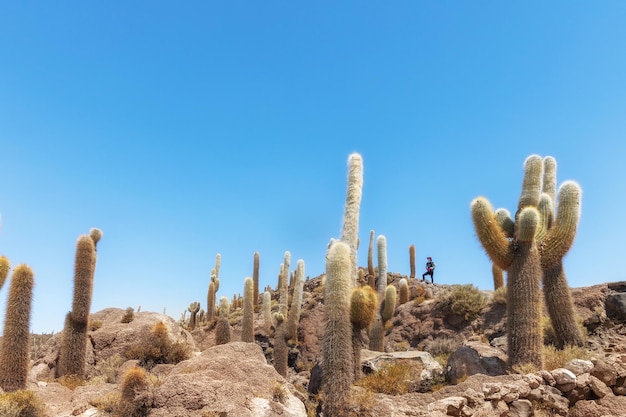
x,y
247,322
412,260
222,328
363,304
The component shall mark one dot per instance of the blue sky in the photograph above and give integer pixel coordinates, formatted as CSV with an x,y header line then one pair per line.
x,y
187,130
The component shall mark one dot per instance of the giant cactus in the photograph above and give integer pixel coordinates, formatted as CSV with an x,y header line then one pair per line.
x,y
350,229
222,328
293,320
15,344
74,340
519,256
338,361
555,243
4,270
255,280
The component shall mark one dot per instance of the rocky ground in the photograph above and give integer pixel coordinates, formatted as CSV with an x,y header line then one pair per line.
x,y
458,365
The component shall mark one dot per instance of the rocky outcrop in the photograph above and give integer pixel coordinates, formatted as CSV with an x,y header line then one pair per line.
x,y
475,358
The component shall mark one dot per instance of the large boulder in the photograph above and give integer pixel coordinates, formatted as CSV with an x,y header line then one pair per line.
x,y
233,379
475,358
422,363
615,306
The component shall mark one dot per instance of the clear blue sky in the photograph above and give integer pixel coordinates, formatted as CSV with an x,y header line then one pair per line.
x,y
187,130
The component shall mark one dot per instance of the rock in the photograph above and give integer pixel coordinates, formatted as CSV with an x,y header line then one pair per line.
x,y
615,306
619,286
233,378
520,408
475,358
451,406
579,366
422,362
610,406
599,388
564,378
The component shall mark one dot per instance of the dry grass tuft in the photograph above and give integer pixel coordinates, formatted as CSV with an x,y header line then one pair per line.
x,y
464,300
391,380
554,358
21,403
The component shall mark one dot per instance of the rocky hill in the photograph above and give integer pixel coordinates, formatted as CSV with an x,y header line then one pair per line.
x,y
445,355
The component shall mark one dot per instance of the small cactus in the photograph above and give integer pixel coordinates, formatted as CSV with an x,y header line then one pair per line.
x,y
15,343
412,260
193,309
133,401
403,287
210,301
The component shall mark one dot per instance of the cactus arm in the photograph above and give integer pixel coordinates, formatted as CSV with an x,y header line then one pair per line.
x,y
490,233
561,235
503,217
532,183
528,224
549,177
546,216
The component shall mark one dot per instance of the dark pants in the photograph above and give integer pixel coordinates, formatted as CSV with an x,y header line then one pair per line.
x,y
431,272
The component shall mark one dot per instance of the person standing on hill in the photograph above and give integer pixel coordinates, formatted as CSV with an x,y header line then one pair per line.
x,y
430,269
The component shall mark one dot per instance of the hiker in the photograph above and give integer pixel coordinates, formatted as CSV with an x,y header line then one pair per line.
x,y
430,269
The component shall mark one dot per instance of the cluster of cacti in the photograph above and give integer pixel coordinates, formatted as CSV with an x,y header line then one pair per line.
x,y
214,286
247,323
74,339
387,307
222,327
15,344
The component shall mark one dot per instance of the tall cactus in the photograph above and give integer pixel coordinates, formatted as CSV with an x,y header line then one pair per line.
x,y
293,320
255,279
338,361
15,344
222,328
519,256
267,311
412,261
350,230
381,282
247,322
281,350
193,309
558,239
370,257
74,340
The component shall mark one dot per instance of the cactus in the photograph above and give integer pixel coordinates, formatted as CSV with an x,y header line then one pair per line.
x,y
222,328
412,260
5,266
370,257
247,323
498,276
74,340
267,311
193,309
218,265
15,343
363,303
210,302
255,279
381,283
132,403
295,309
350,229
403,286
555,243
96,235
518,256
337,356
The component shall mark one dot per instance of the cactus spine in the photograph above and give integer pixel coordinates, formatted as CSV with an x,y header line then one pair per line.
x,y
350,230
222,328
338,361
255,279
558,239
520,258
74,339
412,260
247,323
15,345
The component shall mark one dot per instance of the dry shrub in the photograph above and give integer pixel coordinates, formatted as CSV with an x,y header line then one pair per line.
x,y
94,325
393,379
71,381
554,358
525,368
362,403
106,370
464,300
21,403
499,296
107,403
440,348
279,392
128,316
157,348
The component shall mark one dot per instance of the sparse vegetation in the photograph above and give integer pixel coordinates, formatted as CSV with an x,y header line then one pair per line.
x,y
440,348
464,300
391,380
554,358
128,316
499,296
21,403
157,348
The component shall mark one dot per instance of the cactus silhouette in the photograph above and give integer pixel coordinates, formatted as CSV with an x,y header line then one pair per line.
x,y
15,344
519,256
363,303
337,356
555,242
193,309
222,328
247,322
74,339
